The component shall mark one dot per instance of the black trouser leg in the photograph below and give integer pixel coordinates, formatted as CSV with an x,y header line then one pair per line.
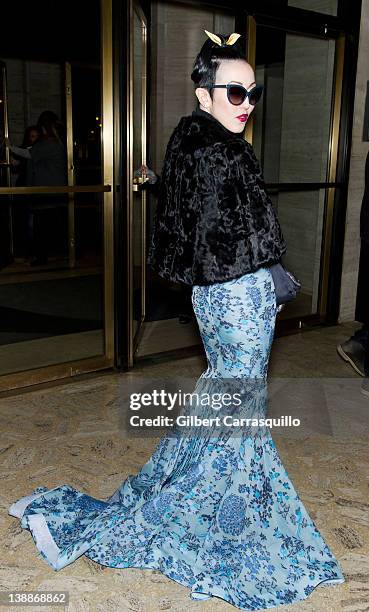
x,y
362,295
361,335
366,361
38,226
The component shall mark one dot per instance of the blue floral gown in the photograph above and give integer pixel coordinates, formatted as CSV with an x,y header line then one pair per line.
x,y
215,513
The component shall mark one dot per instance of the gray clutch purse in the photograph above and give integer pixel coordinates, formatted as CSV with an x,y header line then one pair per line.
x,y
285,284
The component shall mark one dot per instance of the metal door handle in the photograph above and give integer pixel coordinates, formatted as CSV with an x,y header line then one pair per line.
x,y
139,183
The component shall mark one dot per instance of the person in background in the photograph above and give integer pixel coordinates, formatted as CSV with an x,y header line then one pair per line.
x,y
355,350
18,162
21,210
46,166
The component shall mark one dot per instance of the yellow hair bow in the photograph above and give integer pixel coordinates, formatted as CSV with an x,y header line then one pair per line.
x,y
231,39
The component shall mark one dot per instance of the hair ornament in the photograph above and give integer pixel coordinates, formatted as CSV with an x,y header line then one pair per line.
x,y
231,39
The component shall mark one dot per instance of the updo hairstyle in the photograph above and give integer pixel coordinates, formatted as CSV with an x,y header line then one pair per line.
x,y
208,60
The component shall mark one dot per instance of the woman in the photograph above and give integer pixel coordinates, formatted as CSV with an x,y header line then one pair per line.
x,y
46,166
47,156
215,512
19,163
20,170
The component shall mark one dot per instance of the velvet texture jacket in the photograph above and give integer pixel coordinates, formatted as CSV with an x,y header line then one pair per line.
x,y
214,221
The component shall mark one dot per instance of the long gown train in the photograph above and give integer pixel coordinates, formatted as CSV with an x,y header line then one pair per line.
x,y
216,513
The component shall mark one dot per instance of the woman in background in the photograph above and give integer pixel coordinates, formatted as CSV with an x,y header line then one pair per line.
x,y
22,210
19,162
46,166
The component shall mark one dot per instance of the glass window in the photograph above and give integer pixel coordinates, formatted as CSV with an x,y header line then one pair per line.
x,y
301,216
292,121
52,242
329,7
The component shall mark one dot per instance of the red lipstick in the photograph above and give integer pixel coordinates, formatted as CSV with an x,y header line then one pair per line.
x,y
242,118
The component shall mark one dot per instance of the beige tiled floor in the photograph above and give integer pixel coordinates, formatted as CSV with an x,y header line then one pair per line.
x,y
71,434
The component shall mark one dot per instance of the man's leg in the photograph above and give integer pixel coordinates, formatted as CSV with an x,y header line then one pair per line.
x,y
354,349
365,383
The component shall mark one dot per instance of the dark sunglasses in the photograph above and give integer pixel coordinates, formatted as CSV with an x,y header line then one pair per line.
x,y
237,94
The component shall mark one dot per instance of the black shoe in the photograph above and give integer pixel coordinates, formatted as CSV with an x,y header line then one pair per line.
x,y
353,352
365,387
184,318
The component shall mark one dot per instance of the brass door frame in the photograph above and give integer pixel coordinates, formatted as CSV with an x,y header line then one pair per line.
x,y
251,58
296,323
106,360
107,132
70,163
133,339
6,164
330,193
61,189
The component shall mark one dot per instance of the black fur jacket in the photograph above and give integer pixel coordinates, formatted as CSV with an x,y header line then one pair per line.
x,y
214,221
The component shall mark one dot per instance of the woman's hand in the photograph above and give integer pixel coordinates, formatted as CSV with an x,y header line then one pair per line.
x,y
145,170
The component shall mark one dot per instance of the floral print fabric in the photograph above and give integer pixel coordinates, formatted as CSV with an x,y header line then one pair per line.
x,y
217,514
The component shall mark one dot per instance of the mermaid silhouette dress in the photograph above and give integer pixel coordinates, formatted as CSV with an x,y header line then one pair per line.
x,y
216,513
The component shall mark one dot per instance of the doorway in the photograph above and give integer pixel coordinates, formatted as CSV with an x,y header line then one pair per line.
x,y
163,39
302,151
56,259
177,33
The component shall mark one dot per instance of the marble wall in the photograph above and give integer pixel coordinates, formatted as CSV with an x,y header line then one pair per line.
x,y
268,119
177,36
321,6
359,150
291,139
32,88
307,94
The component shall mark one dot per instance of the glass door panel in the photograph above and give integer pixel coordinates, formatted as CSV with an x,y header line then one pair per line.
x,y
177,34
6,211
301,214
292,124
329,7
292,138
49,313
56,287
138,247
